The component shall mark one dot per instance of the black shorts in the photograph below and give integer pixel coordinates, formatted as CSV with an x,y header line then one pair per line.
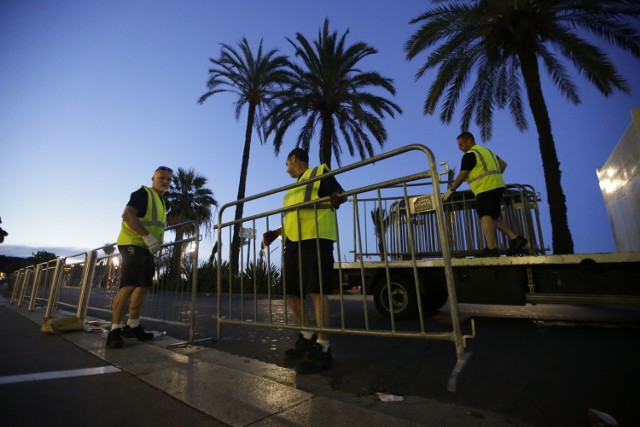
x,y
488,203
138,266
308,260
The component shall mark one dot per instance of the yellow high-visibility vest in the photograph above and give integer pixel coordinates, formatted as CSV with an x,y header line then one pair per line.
x,y
486,174
154,221
301,224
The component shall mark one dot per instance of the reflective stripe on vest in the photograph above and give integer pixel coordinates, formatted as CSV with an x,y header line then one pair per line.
x,y
303,220
153,220
486,174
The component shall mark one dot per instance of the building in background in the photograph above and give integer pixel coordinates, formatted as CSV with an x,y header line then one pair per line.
x,y
620,186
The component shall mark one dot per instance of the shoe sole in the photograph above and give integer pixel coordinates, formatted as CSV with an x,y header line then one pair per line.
x,y
518,247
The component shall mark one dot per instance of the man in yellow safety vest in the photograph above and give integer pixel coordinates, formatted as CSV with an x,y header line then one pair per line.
x,y
482,170
141,236
308,234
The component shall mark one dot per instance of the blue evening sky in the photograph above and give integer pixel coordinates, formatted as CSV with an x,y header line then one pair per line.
x,y
94,95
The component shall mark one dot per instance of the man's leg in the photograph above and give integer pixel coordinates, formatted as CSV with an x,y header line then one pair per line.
x,y
293,302
502,226
306,339
489,231
320,357
516,242
321,306
133,329
120,304
137,301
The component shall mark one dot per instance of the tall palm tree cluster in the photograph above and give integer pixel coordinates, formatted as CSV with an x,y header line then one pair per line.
x,y
326,88
498,45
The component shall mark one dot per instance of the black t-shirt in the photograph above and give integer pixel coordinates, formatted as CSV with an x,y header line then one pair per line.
x,y
139,200
328,186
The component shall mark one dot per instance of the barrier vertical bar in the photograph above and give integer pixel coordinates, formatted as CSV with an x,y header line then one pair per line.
x,y
55,282
34,287
87,283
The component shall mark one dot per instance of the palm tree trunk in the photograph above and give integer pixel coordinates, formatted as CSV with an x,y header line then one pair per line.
x,y
236,241
325,141
562,241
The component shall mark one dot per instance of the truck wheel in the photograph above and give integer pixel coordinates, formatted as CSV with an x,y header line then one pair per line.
x,y
403,297
434,297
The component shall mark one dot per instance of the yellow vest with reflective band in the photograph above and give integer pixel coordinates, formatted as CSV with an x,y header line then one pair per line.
x,y
153,220
486,174
303,221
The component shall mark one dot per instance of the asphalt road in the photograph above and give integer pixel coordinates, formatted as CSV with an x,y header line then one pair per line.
x,y
543,365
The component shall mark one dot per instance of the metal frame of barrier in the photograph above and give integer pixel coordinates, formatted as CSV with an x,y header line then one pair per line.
x,y
276,308
75,285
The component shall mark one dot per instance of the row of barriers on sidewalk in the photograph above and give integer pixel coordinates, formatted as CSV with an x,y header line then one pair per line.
x,y
88,281
393,223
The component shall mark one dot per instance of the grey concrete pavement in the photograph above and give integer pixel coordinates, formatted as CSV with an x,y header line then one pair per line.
x,y
156,384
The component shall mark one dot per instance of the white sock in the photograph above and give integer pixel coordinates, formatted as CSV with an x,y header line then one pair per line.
x,y
307,334
133,323
324,344
115,326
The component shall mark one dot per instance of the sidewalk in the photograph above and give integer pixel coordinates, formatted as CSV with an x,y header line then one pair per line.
x,y
209,387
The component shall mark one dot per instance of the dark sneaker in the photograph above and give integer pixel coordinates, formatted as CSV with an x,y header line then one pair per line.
x,y
302,347
316,361
114,339
137,332
517,244
486,252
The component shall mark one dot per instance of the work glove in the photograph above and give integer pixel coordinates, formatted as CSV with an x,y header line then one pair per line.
x,y
336,200
446,196
268,237
152,243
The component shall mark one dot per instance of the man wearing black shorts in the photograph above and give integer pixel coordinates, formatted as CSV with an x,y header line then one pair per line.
x,y
482,170
141,236
308,235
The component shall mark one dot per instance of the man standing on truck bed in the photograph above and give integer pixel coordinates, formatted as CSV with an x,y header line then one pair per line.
x,y
308,234
482,170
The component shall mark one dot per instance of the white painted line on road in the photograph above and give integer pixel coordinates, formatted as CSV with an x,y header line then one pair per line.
x,y
40,376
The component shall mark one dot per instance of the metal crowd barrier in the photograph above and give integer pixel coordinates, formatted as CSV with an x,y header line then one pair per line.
x,y
255,297
88,281
394,216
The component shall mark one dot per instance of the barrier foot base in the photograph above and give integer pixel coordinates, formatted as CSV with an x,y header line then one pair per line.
x,y
453,379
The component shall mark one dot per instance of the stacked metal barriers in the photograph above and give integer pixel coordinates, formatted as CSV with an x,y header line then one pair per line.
x,y
519,211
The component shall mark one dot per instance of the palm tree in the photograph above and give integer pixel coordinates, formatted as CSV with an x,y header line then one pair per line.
x,y
188,200
503,41
332,93
253,78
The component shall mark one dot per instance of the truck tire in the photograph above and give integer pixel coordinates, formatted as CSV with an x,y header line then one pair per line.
x,y
434,297
403,297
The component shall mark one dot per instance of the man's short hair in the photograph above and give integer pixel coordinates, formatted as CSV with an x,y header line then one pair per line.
x,y
466,136
299,154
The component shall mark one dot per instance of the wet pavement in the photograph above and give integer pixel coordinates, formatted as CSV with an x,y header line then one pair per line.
x,y
545,365
72,378
538,366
